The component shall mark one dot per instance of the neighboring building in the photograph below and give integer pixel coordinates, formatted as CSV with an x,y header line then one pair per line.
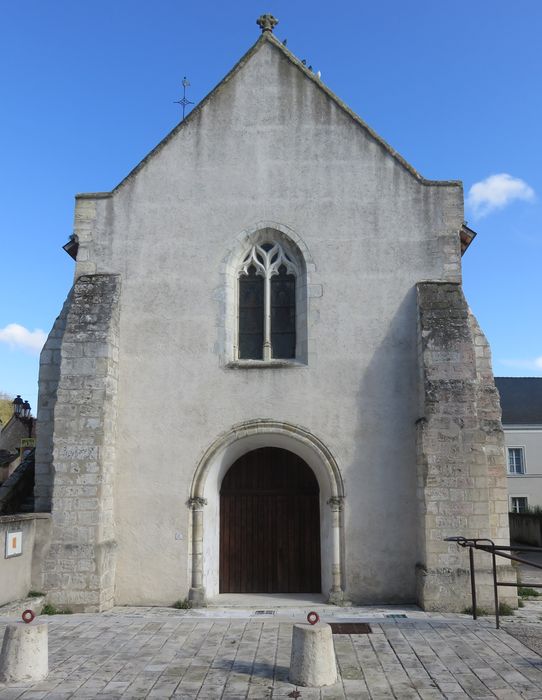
x,y
7,458
266,377
521,402
14,438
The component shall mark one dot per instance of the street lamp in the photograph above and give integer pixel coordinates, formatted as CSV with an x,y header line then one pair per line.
x,y
22,410
18,406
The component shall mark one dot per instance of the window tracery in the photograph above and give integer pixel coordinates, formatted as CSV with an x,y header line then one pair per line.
x,y
267,303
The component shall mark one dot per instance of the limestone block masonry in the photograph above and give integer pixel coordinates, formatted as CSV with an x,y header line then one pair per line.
x,y
48,386
79,570
461,457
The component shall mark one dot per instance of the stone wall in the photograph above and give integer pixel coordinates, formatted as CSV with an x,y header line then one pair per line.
x,y
461,456
48,385
79,569
10,442
12,433
17,574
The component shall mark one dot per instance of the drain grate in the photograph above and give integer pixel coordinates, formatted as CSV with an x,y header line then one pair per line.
x,y
350,628
396,615
264,612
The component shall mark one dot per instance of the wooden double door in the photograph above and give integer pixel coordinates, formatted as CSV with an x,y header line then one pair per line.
x,y
270,525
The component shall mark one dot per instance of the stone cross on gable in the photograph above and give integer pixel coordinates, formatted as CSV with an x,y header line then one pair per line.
x,y
267,23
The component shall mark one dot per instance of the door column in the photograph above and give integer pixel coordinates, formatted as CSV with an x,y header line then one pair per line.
x,y
336,594
197,592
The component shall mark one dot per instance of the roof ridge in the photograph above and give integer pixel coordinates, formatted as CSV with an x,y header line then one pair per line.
x,y
523,377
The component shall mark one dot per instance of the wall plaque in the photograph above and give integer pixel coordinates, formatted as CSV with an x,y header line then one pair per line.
x,y
14,544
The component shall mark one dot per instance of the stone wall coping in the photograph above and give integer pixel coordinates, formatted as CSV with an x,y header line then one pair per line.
x,y
93,195
443,283
16,517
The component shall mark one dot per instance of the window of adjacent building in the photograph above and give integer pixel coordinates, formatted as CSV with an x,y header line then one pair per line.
x,y
518,504
267,304
516,460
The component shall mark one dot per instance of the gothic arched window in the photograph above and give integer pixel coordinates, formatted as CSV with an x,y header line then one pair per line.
x,y
267,304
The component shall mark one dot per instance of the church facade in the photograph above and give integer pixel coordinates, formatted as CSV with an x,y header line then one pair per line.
x,y
266,377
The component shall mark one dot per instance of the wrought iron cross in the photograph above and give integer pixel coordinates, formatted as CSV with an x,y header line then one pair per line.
x,y
184,102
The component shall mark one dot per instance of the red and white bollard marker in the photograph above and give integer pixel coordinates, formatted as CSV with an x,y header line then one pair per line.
x,y
28,616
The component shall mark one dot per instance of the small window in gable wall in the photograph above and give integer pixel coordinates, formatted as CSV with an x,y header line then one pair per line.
x,y
267,282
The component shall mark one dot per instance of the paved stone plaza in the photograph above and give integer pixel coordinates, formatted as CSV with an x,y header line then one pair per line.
x,y
233,654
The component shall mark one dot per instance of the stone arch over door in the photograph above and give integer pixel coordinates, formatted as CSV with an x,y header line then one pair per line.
x,y
205,501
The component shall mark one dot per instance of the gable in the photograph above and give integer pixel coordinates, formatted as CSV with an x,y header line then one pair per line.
x,y
285,61
271,142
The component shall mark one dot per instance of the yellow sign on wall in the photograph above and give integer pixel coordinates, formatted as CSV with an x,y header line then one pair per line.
x,y
27,444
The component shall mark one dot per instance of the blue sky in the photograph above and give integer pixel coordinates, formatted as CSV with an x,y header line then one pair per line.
x,y
87,89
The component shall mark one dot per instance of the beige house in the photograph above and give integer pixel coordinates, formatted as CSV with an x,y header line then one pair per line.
x,y
521,402
266,378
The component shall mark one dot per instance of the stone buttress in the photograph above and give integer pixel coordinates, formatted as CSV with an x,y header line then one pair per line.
x,y
78,388
461,456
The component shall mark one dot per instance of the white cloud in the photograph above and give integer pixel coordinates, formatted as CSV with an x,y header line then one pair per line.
x,y
496,192
533,364
20,338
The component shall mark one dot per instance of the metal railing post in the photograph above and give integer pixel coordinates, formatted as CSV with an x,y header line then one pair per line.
x,y
495,589
472,584
487,545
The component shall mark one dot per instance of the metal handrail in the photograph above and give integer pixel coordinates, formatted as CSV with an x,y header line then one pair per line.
x,y
496,550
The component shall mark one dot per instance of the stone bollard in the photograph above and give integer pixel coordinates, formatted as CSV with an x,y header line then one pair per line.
x,y
313,657
25,655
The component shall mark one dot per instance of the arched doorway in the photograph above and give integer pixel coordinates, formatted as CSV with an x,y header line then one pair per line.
x,y
270,525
